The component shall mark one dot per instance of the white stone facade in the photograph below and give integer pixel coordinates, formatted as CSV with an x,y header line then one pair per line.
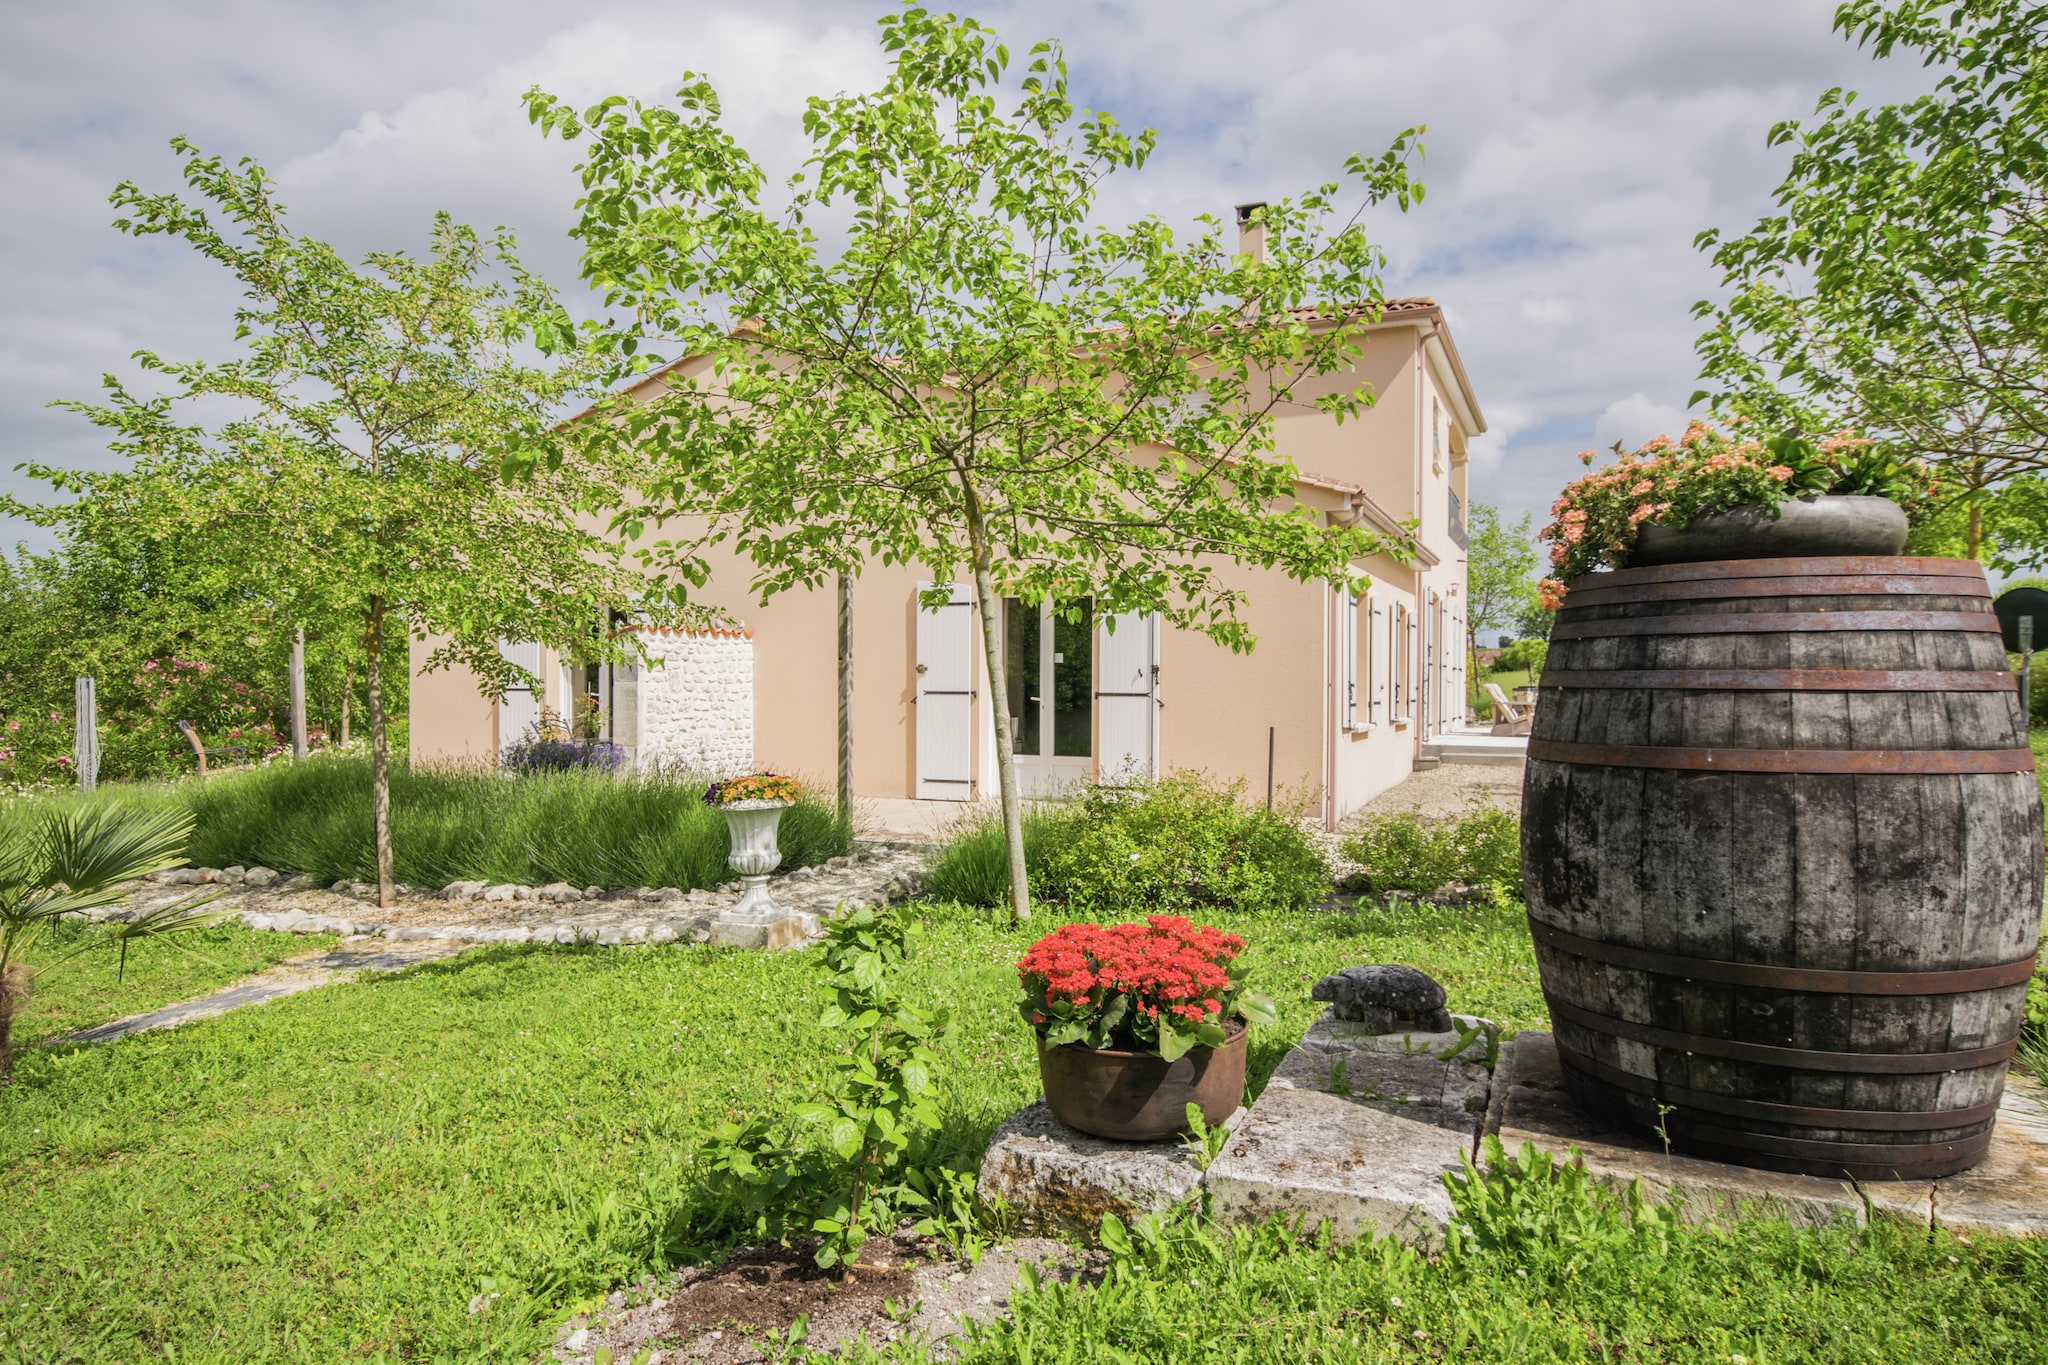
x,y
695,703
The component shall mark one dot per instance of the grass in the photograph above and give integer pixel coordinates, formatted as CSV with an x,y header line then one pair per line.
x,y
452,824
337,1174
76,990
1481,704
2039,739
1581,1282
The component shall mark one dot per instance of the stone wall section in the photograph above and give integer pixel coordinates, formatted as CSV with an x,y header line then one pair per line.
x,y
695,703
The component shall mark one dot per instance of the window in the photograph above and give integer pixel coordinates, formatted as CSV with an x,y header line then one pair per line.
x,y
1436,435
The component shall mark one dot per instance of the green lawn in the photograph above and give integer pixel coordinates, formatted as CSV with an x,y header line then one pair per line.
x,y
1482,705
2040,741
336,1175
76,989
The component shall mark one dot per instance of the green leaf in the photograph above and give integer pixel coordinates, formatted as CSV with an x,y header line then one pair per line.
x,y
1258,1009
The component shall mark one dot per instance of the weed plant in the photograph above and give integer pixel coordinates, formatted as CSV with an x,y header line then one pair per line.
x,y
470,824
1185,843
1479,850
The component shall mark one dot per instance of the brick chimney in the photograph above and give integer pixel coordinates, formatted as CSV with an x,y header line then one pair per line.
x,y
1251,237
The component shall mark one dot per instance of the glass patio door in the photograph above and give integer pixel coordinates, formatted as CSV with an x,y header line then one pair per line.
x,y
1049,660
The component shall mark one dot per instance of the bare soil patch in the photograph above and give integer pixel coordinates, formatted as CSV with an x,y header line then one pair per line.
x,y
768,1288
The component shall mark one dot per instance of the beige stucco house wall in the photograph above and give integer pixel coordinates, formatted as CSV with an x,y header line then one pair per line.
x,y
1332,707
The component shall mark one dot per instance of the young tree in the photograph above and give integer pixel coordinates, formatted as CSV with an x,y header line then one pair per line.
x,y
977,379
1500,574
391,464
1902,286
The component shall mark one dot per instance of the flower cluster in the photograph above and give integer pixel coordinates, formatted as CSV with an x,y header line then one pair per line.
x,y
1702,473
752,787
1163,984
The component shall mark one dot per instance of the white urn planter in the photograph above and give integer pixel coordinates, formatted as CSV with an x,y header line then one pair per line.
x,y
755,857
756,921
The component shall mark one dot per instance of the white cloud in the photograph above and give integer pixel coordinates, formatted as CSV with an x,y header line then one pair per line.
x,y
1636,419
1575,149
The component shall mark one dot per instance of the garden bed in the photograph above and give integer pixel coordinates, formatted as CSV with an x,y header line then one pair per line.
x,y
467,824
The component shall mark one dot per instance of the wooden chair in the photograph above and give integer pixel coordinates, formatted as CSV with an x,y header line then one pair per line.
x,y
1508,718
236,752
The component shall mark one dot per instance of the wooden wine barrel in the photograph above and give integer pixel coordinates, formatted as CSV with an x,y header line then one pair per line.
x,y
1782,846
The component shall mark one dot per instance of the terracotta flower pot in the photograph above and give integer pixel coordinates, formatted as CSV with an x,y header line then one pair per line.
x,y
1140,1096
1835,524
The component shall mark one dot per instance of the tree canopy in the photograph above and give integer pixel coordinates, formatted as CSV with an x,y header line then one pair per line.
x,y
390,462
1901,285
929,352
974,342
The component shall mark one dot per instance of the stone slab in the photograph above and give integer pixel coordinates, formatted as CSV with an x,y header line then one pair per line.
x,y
790,930
1056,1179
1417,1085
1361,1167
2007,1194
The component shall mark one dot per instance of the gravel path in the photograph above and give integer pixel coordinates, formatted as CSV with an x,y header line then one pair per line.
x,y
287,978
471,912
1450,790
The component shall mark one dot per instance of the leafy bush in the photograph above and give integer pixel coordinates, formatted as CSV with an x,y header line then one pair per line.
x,y
1406,853
1523,656
1183,843
35,749
452,824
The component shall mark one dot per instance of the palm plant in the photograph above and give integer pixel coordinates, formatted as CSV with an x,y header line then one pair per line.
x,y
77,860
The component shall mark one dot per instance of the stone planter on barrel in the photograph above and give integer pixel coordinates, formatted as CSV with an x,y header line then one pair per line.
x,y
1781,844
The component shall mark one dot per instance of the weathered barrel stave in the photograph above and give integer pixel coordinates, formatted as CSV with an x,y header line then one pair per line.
x,y
1857,872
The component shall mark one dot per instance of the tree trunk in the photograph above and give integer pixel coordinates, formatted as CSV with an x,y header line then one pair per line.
x,y
845,698
380,756
14,988
1974,538
999,698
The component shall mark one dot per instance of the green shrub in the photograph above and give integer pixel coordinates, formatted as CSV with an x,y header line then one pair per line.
x,y
1406,853
467,824
1523,656
1185,843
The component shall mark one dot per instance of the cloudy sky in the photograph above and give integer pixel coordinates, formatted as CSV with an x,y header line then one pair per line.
x,y
1575,149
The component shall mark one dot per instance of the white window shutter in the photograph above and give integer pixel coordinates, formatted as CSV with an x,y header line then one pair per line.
x,y
945,697
1127,697
1347,662
1380,706
519,710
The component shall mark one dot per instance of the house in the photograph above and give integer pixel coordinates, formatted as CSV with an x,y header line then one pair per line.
x,y
1333,706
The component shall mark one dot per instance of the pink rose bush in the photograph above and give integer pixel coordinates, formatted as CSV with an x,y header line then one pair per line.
x,y
1702,473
